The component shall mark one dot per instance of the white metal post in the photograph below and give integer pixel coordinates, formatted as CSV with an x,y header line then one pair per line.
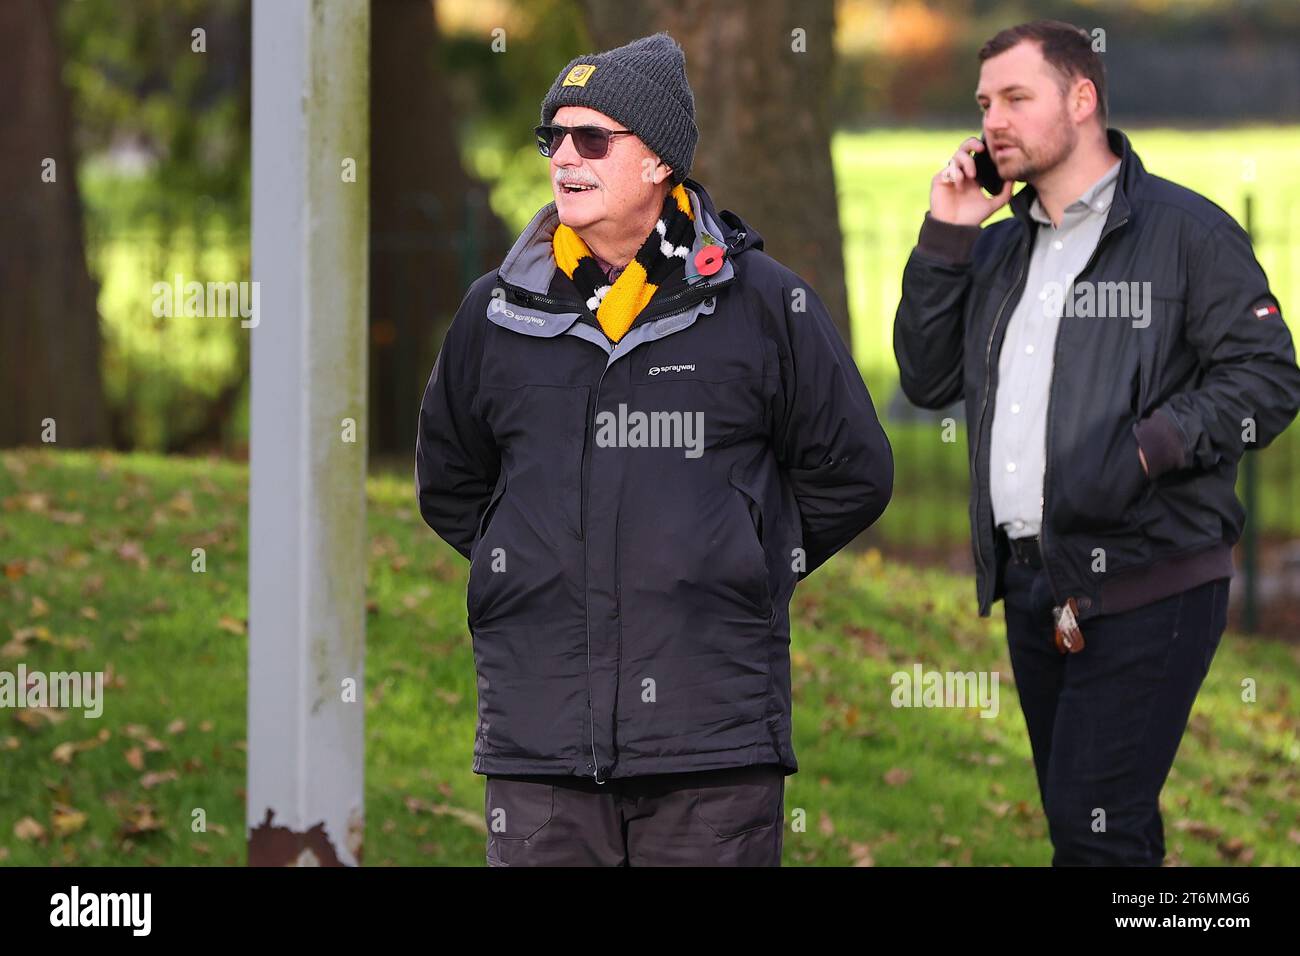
x,y
307,544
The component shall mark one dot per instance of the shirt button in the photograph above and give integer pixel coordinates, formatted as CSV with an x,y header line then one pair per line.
x,y
1029,350
1011,466
1015,408
1058,244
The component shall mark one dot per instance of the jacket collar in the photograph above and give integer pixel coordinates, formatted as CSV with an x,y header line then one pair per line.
x,y
1127,186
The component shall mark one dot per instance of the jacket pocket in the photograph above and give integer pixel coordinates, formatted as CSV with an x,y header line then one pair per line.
x,y
516,809
748,799
756,559
474,585
1104,491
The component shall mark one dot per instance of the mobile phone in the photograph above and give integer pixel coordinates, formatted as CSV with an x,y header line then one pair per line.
x,y
986,171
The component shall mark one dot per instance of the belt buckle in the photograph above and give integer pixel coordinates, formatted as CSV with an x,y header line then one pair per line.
x,y
1022,550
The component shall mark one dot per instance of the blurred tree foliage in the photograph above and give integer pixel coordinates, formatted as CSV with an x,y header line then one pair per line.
x,y
138,84
162,124
1187,61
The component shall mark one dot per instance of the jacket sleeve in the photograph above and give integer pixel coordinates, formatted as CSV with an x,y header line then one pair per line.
x,y
1234,324
827,438
457,462
928,329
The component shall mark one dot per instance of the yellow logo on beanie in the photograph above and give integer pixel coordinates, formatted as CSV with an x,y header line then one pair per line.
x,y
579,75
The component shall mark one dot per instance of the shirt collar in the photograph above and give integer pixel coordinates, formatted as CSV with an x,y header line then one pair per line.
x,y
1097,198
612,272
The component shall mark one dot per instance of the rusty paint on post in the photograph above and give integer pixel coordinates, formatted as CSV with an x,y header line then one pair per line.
x,y
270,845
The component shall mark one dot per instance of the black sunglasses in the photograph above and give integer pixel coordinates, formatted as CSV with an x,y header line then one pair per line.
x,y
591,142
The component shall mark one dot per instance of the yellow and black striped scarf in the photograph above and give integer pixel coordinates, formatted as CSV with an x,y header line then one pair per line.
x,y
663,252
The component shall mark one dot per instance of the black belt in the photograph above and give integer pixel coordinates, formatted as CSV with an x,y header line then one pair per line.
x,y
1025,551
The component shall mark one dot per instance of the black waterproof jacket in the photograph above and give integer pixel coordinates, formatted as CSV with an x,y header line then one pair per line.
x,y
1208,373
637,516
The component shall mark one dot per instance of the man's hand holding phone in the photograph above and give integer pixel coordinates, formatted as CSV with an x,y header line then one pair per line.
x,y
955,194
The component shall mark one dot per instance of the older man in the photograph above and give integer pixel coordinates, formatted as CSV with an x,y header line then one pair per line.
x,y
642,431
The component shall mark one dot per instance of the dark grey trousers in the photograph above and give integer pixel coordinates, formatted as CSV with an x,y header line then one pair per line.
x,y
731,817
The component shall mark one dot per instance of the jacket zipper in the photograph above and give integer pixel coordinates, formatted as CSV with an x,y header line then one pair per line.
x,y
1047,451
588,440
582,533
979,431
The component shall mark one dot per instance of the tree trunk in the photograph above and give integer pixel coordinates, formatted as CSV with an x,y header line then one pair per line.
x,y
432,231
49,322
763,110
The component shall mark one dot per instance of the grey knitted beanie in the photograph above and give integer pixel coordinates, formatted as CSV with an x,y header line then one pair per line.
x,y
642,85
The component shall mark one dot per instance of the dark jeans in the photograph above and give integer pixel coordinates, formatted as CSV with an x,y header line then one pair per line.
x,y
732,817
1105,723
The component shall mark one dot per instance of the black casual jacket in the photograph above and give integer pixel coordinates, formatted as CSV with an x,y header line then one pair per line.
x,y
1209,373
629,604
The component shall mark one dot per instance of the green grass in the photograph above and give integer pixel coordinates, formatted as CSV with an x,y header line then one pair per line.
x,y
96,555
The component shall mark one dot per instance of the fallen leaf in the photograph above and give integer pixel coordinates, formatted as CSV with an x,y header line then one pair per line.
x,y
897,776
66,820
140,819
1234,848
860,854
1198,829
151,780
28,829
177,726
232,624
23,636
135,758
131,551
32,717
64,752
